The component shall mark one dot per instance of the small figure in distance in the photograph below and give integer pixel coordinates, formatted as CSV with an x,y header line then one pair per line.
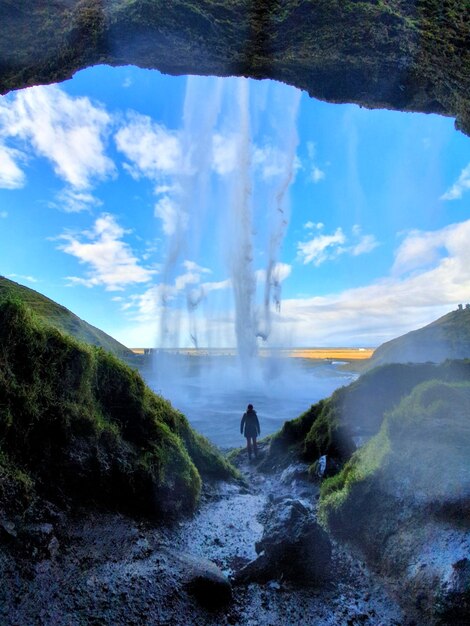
x,y
250,428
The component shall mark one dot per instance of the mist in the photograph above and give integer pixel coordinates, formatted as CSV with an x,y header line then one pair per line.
x,y
229,203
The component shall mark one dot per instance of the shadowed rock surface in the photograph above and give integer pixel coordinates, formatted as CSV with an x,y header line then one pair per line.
x,y
293,546
409,55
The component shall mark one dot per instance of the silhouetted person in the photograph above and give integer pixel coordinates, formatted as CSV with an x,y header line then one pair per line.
x,y
250,428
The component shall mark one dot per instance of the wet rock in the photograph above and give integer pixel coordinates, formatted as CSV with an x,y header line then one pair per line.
x,y
141,549
38,540
7,530
204,580
295,471
293,546
454,597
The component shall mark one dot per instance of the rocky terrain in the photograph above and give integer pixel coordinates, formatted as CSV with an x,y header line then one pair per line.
x,y
113,511
112,570
409,55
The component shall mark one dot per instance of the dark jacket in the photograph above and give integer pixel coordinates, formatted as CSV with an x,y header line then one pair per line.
x,y
250,425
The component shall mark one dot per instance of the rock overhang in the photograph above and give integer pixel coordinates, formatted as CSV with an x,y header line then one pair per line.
x,y
407,55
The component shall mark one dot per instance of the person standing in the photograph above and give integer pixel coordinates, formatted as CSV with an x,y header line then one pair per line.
x,y
249,427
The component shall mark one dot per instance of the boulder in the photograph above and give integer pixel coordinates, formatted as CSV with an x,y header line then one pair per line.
x,y
293,546
294,472
203,580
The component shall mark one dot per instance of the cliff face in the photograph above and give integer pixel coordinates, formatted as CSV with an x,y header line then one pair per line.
x,y
410,55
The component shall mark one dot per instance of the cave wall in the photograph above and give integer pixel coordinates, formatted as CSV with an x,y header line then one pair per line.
x,y
409,55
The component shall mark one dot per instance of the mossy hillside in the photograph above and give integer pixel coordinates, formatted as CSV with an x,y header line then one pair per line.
x,y
358,409
58,316
76,422
446,338
416,465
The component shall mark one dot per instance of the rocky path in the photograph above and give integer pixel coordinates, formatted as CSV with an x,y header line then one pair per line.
x,y
109,570
225,531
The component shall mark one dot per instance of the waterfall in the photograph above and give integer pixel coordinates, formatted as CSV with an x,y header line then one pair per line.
x,y
230,211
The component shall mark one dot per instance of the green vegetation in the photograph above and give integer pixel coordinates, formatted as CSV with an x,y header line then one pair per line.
x,y
316,432
61,318
328,426
77,423
420,456
445,338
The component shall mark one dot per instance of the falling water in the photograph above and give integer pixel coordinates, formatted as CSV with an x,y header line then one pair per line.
x,y
251,207
286,137
241,241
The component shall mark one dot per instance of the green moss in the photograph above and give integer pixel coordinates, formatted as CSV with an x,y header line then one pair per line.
x,y
84,424
16,488
361,466
61,318
420,454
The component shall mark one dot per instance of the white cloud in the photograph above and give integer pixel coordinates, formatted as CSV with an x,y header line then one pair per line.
x,y
73,201
173,218
315,173
153,150
321,248
327,247
70,132
459,187
422,249
225,153
110,260
270,161
11,176
312,225
364,316
280,272
366,244
191,266
28,279
216,285
190,278
393,305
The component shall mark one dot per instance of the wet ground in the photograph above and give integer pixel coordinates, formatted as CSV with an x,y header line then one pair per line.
x,y
225,531
108,570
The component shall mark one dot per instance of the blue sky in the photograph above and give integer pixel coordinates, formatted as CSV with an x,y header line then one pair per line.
x,y
142,201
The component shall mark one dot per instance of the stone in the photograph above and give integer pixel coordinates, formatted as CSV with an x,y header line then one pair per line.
x,y
295,471
293,546
203,580
412,58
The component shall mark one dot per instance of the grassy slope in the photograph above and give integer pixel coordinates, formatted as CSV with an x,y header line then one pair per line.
x,y
419,459
328,426
77,423
58,316
445,338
